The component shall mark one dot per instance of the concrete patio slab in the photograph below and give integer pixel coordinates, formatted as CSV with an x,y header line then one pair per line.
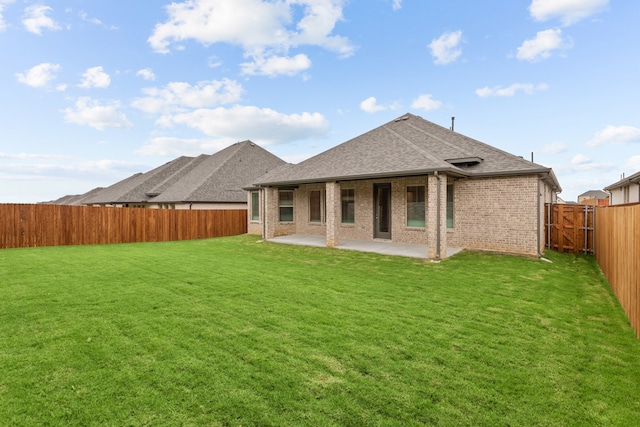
x,y
375,246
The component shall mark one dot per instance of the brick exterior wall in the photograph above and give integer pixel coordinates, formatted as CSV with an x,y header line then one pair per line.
x,y
493,214
497,214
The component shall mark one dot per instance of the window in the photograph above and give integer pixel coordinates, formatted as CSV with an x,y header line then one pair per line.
x,y
450,199
415,206
255,206
286,205
315,206
348,206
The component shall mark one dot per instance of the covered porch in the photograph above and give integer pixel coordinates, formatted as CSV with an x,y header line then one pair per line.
x,y
375,246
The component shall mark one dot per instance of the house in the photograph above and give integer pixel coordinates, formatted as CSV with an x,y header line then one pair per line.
x,y
409,181
594,198
627,190
204,182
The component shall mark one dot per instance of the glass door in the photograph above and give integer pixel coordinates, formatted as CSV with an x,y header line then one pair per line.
x,y
382,211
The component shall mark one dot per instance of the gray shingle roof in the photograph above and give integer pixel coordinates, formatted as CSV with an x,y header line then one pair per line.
x,y
406,146
635,178
216,178
222,176
594,194
135,188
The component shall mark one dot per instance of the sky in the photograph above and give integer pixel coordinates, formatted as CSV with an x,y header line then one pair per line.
x,y
92,92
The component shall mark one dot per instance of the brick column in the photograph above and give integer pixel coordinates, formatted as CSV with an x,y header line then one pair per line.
x,y
432,216
333,216
270,214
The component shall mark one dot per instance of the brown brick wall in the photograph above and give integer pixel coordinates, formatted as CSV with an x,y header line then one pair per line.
x,y
496,214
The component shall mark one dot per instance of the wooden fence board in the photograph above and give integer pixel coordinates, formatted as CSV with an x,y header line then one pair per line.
x,y
25,225
618,254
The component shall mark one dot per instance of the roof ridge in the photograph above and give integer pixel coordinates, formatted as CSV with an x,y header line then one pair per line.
x,y
443,141
210,172
195,161
421,150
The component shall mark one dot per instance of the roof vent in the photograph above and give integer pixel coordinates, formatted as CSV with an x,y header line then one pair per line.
x,y
399,119
464,161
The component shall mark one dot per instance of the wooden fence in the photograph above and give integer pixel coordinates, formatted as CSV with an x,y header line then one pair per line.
x,y
56,225
618,253
570,228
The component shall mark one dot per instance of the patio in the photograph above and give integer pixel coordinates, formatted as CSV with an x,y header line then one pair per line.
x,y
377,246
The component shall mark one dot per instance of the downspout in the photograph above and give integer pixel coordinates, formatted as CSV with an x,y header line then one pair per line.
x,y
549,218
438,219
539,230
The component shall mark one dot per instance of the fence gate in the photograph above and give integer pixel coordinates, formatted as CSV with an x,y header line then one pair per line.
x,y
570,228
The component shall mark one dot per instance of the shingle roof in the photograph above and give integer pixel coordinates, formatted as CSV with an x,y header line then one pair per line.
x,y
594,194
74,199
406,146
217,178
222,176
635,178
135,188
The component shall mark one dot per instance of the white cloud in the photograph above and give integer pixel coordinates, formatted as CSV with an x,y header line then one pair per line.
x,y
40,75
147,74
615,135
180,96
36,19
276,65
171,147
90,112
580,159
95,77
29,156
582,163
397,4
370,105
633,164
262,28
3,3
527,88
426,102
85,17
543,45
262,125
569,11
555,148
445,48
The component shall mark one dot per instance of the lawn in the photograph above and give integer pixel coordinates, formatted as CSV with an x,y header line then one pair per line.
x,y
234,331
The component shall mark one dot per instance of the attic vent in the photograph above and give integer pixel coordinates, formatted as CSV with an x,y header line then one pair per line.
x,y
152,194
399,119
464,161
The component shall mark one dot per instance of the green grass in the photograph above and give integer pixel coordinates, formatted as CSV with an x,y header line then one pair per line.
x,y
234,331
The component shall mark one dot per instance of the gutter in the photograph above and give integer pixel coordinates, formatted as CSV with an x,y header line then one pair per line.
x,y
263,214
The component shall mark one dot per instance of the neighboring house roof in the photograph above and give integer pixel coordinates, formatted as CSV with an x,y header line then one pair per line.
x,y
407,146
134,189
594,194
75,199
217,178
222,176
633,179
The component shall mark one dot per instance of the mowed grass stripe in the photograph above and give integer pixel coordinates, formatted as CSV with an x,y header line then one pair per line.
x,y
235,331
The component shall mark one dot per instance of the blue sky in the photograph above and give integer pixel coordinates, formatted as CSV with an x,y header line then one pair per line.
x,y
92,92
